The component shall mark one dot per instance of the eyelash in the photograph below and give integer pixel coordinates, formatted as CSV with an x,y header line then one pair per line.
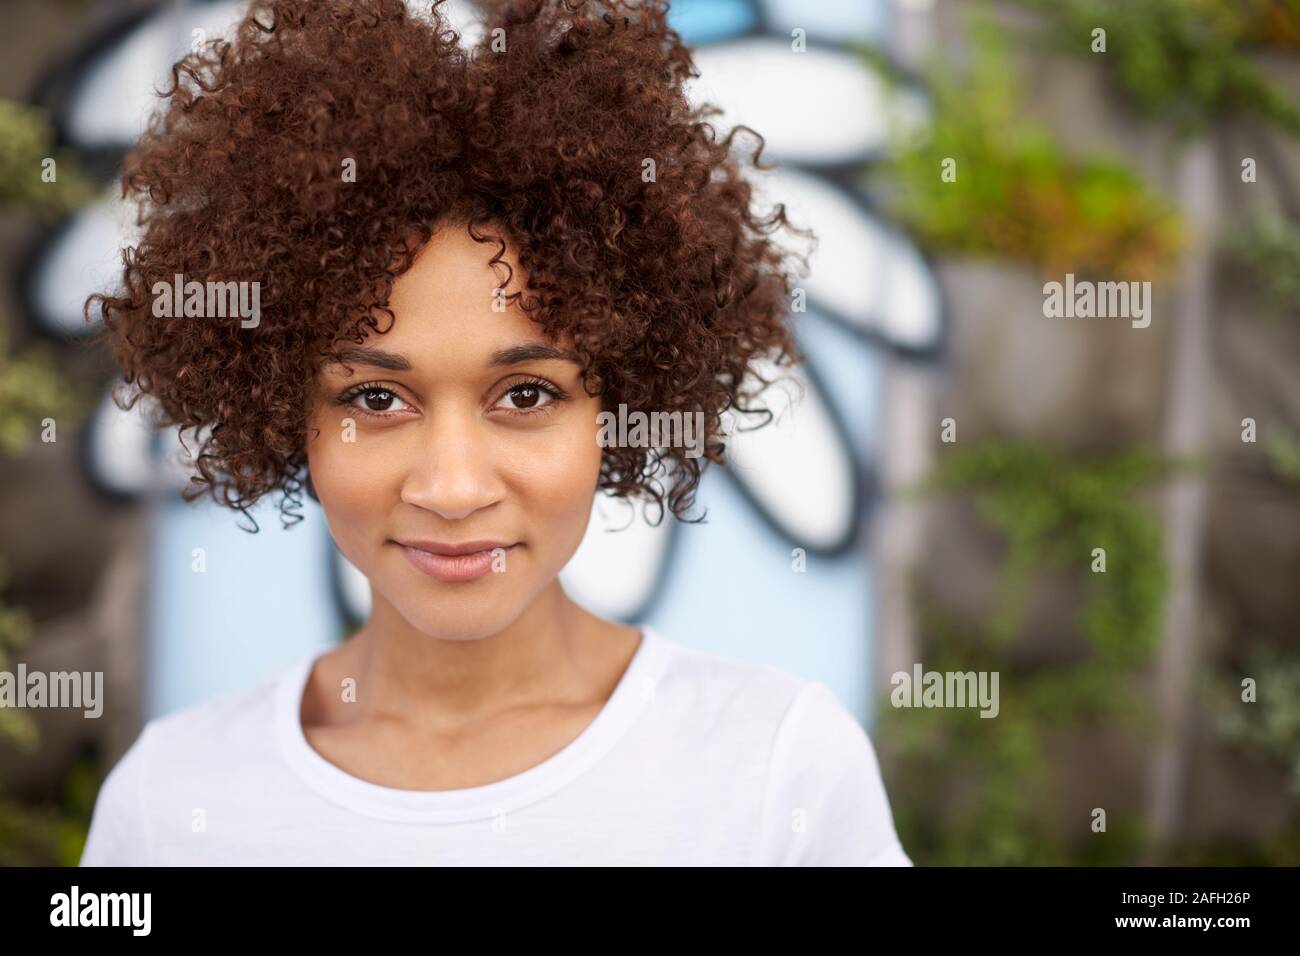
x,y
557,395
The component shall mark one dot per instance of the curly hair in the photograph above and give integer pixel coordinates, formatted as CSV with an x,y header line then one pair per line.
x,y
669,283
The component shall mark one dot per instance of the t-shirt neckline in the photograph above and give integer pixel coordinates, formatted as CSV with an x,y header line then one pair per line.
x,y
621,710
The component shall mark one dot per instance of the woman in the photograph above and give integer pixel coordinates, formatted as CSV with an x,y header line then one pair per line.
x,y
461,258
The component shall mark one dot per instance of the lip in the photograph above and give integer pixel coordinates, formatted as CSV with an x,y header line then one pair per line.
x,y
453,563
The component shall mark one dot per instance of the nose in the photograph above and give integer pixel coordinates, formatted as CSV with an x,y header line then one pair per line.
x,y
452,470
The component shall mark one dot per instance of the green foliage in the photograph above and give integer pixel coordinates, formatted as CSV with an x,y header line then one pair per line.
x,y
80,788
1268,251
1271,23
1283,450
1282,849
973,790
28,836
1269,726
1016,193
31,390
26,142
50,835
15,631
1054,511
1185,61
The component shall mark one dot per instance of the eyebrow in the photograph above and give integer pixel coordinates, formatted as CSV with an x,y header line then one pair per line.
x,y
532,352
395,362
377,358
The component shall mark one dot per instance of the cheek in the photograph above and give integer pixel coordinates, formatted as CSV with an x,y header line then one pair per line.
x,y
350,484
555,476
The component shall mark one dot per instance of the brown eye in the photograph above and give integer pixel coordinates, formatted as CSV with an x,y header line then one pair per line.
x,y
376,400
525,396
529,397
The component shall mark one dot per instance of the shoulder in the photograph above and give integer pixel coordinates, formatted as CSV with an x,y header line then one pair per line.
x,y
723,703
788,711
202,741
782,710
823,798
826,803
724,684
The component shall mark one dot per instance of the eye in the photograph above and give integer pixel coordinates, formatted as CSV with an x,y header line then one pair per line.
x,y
528,397
374,399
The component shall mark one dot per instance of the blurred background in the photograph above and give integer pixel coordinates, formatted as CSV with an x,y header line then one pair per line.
x,y
1106,515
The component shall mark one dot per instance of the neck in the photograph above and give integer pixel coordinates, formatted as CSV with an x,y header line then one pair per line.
x,y
409,675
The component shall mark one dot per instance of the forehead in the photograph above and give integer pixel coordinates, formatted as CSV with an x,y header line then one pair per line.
x,y
450,306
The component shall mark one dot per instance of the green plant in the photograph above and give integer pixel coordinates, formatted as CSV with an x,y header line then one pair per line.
x,y
33,394
1185,61
15,631
55,834
34,176
1264,722
1271,23
1009,188
1283,450
1268,250
1268,726
973,790
31,391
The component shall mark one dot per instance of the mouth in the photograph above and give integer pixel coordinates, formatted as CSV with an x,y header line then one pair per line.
x,y
457,563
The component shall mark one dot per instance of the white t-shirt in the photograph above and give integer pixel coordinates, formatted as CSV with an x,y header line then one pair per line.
x,y
695,759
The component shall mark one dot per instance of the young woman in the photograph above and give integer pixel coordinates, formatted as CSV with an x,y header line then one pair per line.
x,y
461,257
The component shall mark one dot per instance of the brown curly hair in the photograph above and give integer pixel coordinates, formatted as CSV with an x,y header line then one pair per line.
x,y
669,285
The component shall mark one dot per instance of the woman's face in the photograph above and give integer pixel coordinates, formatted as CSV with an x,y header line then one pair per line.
x,y
461,429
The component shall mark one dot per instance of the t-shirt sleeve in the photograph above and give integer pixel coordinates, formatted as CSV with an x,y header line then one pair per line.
x,y
117,834
825,801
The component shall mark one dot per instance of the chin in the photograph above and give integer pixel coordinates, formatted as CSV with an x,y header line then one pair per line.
x,y
460,612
